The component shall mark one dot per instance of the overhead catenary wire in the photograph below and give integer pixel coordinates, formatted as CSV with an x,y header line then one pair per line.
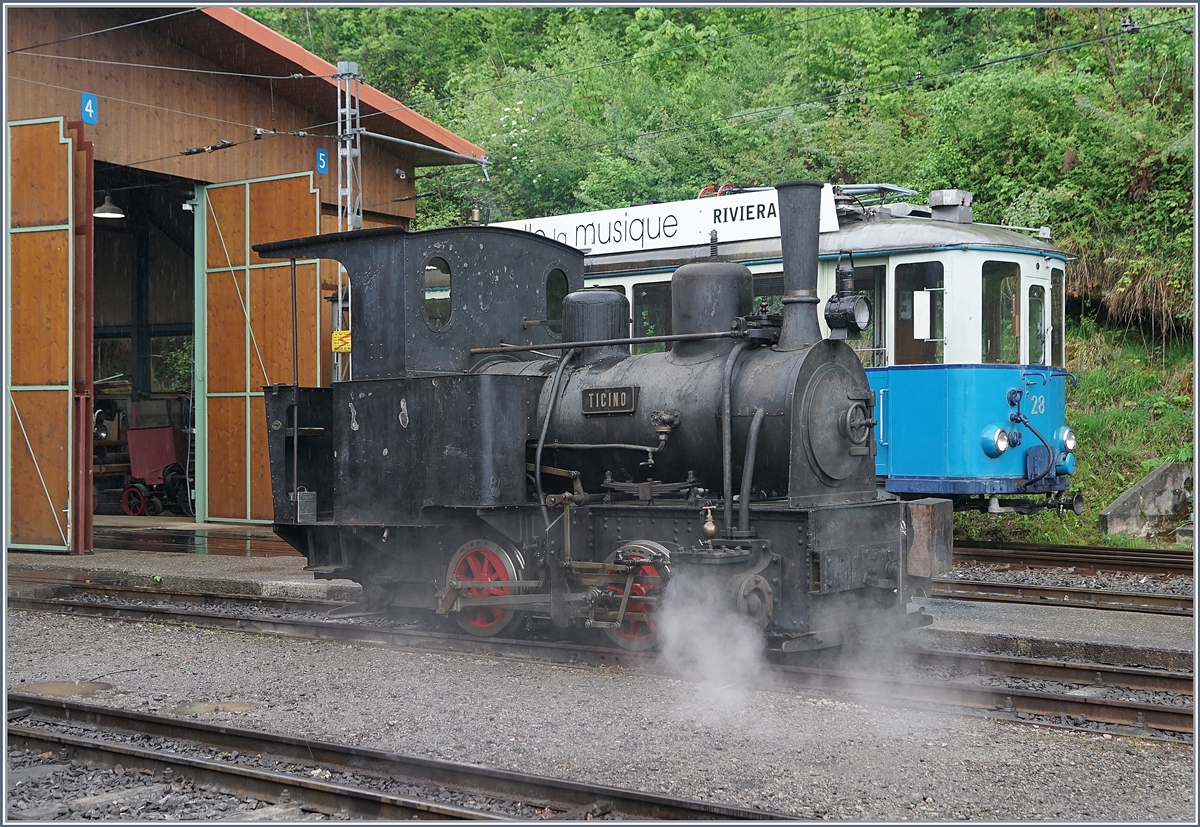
x,y
102,31
160,68
136,103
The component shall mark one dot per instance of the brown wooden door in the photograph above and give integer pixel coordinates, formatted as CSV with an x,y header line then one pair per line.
x,y
245,311
46,354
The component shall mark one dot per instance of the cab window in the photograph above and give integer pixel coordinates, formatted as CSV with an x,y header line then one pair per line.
x,y
872,346
437,292
918,317
1001,317
652,314
556,291
1037,324
1058,305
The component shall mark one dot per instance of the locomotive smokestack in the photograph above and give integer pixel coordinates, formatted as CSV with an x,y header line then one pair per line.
x,y
799,229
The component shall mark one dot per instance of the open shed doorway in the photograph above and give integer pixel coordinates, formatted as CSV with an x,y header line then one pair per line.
x,y
144,266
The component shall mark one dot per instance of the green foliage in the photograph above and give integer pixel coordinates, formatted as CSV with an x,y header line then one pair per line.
x,y
171,363
588,108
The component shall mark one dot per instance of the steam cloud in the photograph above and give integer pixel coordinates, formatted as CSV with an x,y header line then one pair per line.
x,y
706,642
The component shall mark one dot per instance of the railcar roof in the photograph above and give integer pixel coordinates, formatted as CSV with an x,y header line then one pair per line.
x,y
271,248
885,235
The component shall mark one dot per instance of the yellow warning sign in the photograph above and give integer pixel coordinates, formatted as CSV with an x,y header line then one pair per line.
x,y
341,341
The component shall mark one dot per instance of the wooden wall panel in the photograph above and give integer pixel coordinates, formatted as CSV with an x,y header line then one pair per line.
x,y
227,457
226,332
262,506
226,226
47,421
325,325
271,321
278,209
40,180
281,209
206,108
41,320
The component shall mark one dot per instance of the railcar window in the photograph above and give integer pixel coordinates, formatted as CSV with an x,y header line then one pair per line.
x,y
437,292
771,289
556,291
1001,318
1058,320
919,285
1037,324
872,347
652,314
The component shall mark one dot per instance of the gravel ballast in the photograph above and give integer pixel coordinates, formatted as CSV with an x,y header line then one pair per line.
x,y
715,740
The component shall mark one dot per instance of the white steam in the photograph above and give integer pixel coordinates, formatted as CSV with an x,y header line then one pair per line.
x,y
706,642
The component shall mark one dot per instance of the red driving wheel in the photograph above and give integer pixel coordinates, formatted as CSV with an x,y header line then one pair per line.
x,y
133,500
482,561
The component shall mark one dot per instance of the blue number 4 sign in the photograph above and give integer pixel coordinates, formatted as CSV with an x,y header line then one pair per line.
x,y
88,108
322,161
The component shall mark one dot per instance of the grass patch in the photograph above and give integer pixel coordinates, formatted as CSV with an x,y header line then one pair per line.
x,y
1132,411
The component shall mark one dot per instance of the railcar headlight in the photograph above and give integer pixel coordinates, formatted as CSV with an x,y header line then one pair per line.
x,y
994,441
1067,437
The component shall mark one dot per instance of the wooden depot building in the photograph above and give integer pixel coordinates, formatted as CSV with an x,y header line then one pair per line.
x,y
147,150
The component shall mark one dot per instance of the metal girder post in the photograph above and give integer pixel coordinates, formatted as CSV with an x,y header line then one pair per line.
x,y
349,190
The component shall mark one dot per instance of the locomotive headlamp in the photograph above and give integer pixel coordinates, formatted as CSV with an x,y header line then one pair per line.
x,y
848,313
1067,437
994,441
847,316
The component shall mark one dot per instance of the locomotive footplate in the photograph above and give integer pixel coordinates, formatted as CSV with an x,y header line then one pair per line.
x,y
843,634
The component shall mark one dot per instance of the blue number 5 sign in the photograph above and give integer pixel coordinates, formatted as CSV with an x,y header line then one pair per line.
x,y
88,108
322,161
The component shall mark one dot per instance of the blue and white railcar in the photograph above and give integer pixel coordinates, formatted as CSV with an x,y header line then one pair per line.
x,y
965,347
966,352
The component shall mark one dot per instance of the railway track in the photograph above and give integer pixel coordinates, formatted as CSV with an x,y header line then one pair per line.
x,y
1152,602
945,587
1082,558
1090,559
994,684
301,775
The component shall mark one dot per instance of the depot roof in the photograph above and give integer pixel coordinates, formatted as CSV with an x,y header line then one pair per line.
x,y
230,39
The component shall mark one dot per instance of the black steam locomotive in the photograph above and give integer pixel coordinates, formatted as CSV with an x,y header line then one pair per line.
x,y
499,453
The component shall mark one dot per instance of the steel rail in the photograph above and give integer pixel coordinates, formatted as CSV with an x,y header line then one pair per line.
x,y
1096,558
1149,602
1090,675
1175,719
239,780
52,589
996,698
424,639
563,796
